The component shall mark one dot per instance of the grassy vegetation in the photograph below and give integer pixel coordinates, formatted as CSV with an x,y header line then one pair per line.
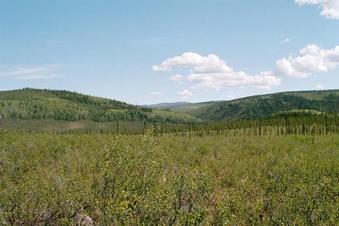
x,y
169,180
86,126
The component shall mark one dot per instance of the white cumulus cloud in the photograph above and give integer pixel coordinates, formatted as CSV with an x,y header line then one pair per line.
x,y
33,73
310,60
264,80
185,94
329,8
194,61
212,72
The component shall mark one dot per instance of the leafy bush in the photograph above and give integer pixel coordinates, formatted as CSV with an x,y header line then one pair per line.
x,y
150,180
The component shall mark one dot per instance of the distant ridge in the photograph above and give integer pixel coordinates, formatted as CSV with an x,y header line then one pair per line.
x,y
43,104
168,105
262,105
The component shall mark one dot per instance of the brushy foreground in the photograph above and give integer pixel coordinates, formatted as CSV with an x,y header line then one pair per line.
x,y
146,180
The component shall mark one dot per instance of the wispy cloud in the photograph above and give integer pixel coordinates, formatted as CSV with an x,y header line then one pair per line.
x,y
329,8
175,78
33,73
185,94
212,72
286,40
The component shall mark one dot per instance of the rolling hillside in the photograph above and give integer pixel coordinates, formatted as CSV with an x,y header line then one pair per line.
x,y
35,104
263,105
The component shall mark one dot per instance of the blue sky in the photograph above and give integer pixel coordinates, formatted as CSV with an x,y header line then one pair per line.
x,y
129,50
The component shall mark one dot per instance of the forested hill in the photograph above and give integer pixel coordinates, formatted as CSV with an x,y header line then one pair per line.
x,y
263,105
39,104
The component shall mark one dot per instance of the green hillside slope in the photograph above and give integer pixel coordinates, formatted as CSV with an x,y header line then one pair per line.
x,y
28,104
35,104
264,105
